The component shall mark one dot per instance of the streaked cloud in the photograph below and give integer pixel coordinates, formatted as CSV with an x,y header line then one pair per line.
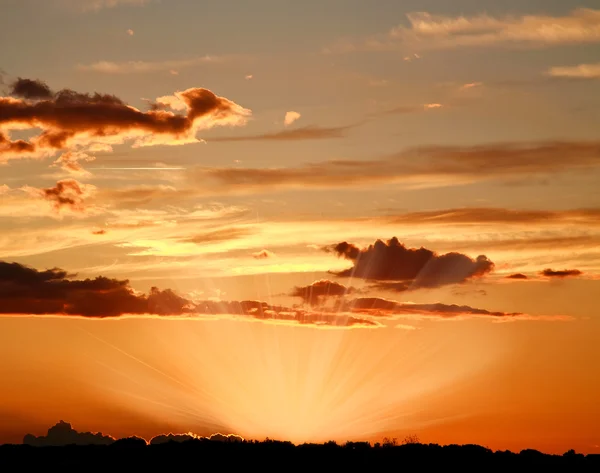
x,y
141,67
581,71
295,134
425,30
430,166
563,273
96,5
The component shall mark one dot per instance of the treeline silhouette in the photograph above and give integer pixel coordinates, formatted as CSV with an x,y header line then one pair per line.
x,y
135,454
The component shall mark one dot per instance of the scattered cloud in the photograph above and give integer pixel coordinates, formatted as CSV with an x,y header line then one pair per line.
x,y
74,121
426,31
291,117
70,162
263,254
317,292
517,276
566,273
398,268
471,85
67,194
582,71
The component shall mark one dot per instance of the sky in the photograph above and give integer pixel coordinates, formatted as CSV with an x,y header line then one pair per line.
x,y
311,221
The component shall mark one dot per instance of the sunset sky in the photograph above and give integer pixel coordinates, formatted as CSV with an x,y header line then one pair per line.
x,y
317,220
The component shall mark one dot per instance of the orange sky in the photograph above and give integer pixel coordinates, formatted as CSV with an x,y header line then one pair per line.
x,y
387,226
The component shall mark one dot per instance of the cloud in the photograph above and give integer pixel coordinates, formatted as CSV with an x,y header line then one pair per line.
x,y
27,291
426,166
517,276
162,439
316,293
216,236
497,215
377,307
385,307
74,121
263,254
143,67
426,31
96,5
291,117
398,268
62,434
70,162
582,71
296,134
31,89
67,194
566,273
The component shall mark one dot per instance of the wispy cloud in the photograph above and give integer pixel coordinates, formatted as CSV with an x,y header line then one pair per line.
x,y
140,67
96,5
582,71
429,31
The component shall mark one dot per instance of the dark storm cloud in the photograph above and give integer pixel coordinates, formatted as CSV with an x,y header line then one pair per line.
x,y
396,267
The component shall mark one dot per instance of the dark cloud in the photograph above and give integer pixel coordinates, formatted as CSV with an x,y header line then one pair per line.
x,y
517,276
561,274
27,291
67,115
63,434
382,307
31,89
99,232
296,134
318,291
396,267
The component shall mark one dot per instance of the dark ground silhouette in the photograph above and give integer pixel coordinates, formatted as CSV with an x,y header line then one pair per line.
x,y
70,450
